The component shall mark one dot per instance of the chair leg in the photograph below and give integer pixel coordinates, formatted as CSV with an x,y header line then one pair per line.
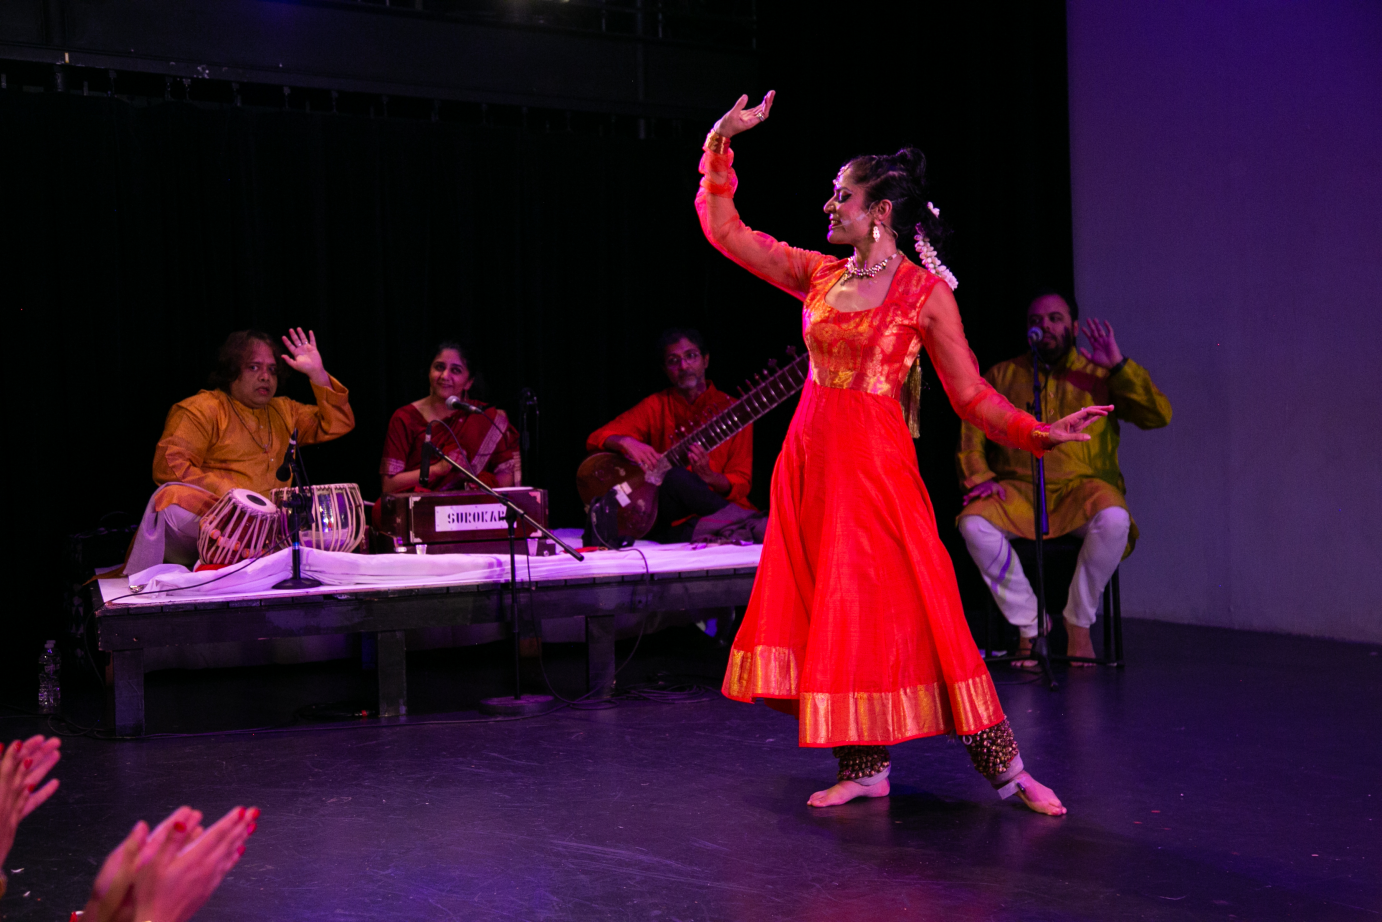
x,y
988,627
1117,619
1108,621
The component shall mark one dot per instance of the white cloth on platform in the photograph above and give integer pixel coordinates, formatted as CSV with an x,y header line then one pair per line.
x,y
166,583
169,535
1105,538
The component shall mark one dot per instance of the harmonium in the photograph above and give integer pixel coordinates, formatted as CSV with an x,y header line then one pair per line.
x,y
460,522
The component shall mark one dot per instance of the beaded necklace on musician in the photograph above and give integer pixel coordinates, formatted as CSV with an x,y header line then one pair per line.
x,y
255,413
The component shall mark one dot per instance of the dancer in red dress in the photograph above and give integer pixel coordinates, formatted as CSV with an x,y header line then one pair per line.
x,y
855,623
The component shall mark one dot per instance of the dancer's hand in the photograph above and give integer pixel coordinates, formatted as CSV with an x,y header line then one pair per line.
x,y
1071,428
22,769
304,357
739,119
987,488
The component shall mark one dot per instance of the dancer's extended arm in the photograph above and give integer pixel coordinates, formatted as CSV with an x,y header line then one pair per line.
x,y
974,399
787,267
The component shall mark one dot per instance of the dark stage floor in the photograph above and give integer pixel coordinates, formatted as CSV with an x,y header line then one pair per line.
x,y
1222,775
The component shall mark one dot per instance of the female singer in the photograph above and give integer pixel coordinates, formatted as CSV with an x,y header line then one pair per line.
x,y
855,624
488,445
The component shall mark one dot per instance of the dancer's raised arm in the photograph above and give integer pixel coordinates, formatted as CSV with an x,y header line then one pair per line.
x,y
787,267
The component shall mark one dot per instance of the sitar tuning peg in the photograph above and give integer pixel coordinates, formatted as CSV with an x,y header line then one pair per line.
x,y
792,352
772,364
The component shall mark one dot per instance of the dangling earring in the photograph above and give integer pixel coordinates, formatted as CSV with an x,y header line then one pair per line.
x,y
876,233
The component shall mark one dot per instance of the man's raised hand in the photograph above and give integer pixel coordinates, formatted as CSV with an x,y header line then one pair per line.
x,y
303,356
1103,348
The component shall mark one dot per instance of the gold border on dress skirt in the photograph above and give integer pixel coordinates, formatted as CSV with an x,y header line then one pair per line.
x,y
882,718
764,672
879,718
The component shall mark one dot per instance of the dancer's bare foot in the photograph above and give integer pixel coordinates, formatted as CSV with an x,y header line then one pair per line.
x,y
846,791
1038,797
1079,643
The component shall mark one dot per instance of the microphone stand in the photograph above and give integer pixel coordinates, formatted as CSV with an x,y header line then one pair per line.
x,y
1040,644
296,502
527,448
520,704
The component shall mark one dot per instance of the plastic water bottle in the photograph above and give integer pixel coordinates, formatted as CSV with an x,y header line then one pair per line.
x,y
49,680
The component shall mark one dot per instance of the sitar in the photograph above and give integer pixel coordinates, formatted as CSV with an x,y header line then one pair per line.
x,y
635,489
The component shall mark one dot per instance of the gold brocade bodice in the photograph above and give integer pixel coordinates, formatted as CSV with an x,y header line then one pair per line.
x,y
872,350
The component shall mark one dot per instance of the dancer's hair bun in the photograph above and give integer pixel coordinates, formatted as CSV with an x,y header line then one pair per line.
x,y
901,179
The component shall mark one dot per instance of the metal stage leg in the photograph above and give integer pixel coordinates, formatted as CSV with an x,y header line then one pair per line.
x,y
393,674
127,693
599,664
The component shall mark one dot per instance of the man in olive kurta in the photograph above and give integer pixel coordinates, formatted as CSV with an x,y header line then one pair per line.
x,y
1084,487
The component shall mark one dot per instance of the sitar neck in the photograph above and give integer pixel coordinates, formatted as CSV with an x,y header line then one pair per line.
x,y
724,425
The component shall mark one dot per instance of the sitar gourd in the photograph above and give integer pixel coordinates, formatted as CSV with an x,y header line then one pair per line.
x,y
635,489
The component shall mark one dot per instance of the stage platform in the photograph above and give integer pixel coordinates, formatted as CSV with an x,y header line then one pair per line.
x,y
383,597
1221,776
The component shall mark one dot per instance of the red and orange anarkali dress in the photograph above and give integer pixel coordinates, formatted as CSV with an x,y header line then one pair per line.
x,y
855,615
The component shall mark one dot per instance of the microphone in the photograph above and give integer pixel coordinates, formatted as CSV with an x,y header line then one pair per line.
x,y
456,403
1034,335
422,479
285,470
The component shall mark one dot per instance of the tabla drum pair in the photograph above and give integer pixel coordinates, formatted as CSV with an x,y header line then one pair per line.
x,y
243,524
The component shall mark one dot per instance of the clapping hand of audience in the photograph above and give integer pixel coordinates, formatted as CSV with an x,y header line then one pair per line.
x,y
22,769
167,874
163,875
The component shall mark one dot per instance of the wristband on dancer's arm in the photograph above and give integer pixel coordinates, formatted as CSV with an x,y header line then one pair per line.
x,y
718,159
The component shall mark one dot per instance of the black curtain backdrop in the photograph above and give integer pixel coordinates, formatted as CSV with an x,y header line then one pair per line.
x,y
138,236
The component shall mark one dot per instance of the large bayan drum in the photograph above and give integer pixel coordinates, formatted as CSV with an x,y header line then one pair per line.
x,y
335,520
241,525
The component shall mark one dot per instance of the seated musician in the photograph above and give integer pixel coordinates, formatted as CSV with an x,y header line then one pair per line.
x,y
1084,486
713,479
488,445
234,435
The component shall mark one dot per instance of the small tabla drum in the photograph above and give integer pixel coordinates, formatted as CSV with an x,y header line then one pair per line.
x,y
241,525
335,520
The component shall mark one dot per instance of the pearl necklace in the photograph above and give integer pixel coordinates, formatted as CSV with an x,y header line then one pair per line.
x,y
852,270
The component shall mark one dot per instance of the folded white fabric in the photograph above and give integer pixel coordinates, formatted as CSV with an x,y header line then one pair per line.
x,y
167,582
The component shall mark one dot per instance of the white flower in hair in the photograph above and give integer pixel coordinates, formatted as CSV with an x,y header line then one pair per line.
x,y
933,209
930,260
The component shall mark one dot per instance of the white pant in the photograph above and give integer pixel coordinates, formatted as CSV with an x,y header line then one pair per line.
x,y
1105,537
167,536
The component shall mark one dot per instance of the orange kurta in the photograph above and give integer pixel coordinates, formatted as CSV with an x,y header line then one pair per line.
x,y
1082,478
214,443
655,419
855,615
